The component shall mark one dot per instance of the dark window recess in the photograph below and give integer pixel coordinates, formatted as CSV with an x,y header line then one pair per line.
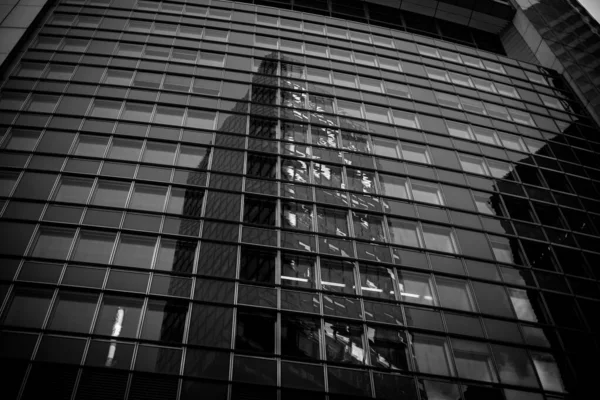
x,y
164,321
258,265
388,348
211,325
261,166
300,337
255,331
58,381
264,95
263,127
259,210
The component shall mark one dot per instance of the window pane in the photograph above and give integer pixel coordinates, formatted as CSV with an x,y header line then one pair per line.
x,y
169,115
415,153
416,288
514,366
548,371
118,77
405,119
300,336
159,153
454,293
368,226
332,221
191,157
147,197
111,193
125,149
297,216
42,103
35,301
91,146
200,119
431,354
473,361
377,282
297,270
255,331
472,164
389,348
94,247
73,190
21,139
105,109
135,251
393,186
137,112
426,192
73,312
439,238
404,232
53,243
344,342
164,321
211,325
385,147
337,276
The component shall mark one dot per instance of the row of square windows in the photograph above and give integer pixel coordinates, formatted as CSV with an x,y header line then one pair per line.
x,y
386,347
334,33
331,177
248,39
267,332
336,178
214,59
237,90
137,221
262,266
212,87
263,211
297,100
297,132
140,112
297,380
70,187
457,61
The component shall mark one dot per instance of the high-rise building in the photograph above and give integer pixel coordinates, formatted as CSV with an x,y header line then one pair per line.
x,y
287,199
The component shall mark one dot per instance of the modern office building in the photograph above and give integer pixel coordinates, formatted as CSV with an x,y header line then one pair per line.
x,y
293,199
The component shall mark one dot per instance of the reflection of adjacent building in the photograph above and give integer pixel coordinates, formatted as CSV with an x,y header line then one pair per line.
x,y
561,35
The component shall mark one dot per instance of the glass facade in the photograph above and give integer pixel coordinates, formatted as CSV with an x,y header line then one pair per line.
x,y
225,200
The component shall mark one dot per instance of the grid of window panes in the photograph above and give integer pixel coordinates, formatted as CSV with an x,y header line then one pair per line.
x,y
201,194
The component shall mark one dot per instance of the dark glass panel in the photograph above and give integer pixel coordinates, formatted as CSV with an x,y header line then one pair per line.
x,y
40,272
158,359
192,390
300,336
164,320
35,301
348,381
73,312
302,376
255,370
119,316
257,265
207,364
217,259
211,326
391,387
389,348
259,210
341,339
255,331
60,350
